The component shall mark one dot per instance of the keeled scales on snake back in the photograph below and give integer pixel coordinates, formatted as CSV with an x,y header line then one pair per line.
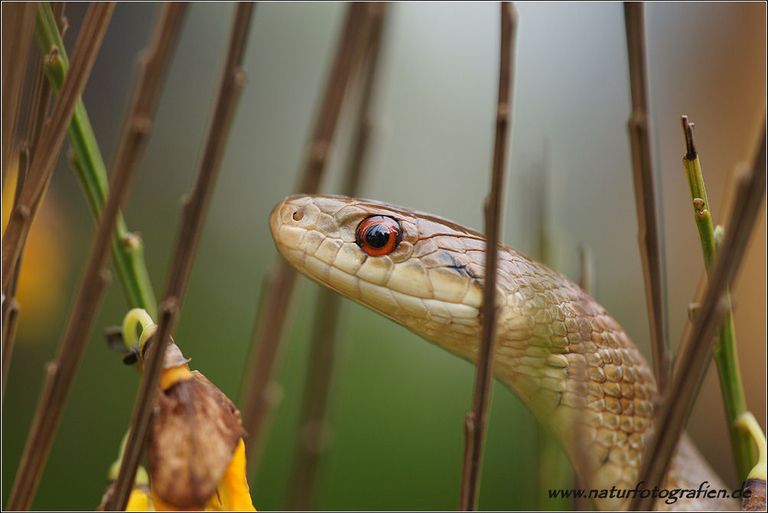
x,y
567,359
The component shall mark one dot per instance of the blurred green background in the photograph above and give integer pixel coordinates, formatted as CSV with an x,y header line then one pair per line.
x,y
398,402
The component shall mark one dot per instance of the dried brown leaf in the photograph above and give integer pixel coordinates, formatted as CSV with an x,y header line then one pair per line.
x,y
195,431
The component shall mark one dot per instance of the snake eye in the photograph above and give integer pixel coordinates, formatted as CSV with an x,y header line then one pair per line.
x,y
378,235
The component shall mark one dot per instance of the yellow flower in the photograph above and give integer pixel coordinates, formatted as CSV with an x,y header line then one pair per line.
x,y
233,493
139,501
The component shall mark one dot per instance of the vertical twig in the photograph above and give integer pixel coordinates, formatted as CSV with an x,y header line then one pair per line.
x,y
695,349
258,388
38,111
475,422
50,406
313,433
10,323
51,138
195,209
93,286
364,124
18,28
259,393
347,54
649,238
725,353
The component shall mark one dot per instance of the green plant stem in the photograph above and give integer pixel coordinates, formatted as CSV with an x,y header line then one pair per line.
x,y
726,358
127,248
725,354
701,211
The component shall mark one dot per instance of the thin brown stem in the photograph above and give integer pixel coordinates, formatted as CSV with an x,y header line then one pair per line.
x,y
195,209
10,322
364,123
10,307
314,425
51,403
476,420
153,70
38,111
313,433
696,349
649,238
18,29
95,279
469,451
347,54
257,389
52,137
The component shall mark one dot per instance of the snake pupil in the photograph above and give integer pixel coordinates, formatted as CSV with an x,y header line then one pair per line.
x,y
377,236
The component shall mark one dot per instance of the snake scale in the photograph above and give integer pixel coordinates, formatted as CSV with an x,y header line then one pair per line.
x,y
557,349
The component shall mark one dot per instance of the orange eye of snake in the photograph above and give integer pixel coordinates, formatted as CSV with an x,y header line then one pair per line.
x,y
378,235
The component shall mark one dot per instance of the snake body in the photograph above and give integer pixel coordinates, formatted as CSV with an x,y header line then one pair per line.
x,y
568,360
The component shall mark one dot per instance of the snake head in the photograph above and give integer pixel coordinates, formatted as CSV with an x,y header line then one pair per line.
x,y
417,269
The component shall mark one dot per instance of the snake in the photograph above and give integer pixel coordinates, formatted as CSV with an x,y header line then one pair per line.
x,y
556,348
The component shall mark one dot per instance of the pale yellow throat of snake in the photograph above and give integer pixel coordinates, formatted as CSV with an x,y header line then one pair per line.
x,y
557,349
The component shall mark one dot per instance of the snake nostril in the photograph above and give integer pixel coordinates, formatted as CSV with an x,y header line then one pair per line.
x,y
298,215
